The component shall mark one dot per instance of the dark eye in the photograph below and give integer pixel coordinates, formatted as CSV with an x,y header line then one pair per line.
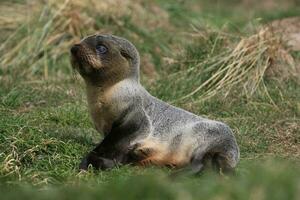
x,y
101,49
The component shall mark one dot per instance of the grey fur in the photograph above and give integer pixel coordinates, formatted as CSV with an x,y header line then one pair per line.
x,y
183,133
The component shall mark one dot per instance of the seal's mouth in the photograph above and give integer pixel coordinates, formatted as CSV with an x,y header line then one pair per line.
x,y
75,51
75,63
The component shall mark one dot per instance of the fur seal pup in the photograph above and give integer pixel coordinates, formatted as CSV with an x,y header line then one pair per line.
x,y
138,128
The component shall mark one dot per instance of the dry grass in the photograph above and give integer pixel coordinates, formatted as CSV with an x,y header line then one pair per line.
x,y
53,27
47,32
9,18
50,32
244,66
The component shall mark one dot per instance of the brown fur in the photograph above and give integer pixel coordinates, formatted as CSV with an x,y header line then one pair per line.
x,y
100,89
110,70
140,129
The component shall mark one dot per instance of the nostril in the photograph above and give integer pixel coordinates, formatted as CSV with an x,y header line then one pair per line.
x,y
75,48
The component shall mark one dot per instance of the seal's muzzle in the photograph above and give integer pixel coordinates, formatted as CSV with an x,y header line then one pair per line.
x,y
74,49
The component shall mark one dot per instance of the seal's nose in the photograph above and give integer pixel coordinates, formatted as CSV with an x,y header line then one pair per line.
x,y
75,48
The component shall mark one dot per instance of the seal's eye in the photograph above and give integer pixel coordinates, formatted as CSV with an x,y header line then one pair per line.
x,y
101,49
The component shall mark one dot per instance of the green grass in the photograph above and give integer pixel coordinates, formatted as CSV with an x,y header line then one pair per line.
x,y
270,180
45,128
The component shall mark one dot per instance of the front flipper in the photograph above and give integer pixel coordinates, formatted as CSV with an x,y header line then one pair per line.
x,y
114,150
97,162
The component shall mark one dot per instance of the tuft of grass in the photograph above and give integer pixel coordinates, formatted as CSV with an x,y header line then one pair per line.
x,y
245,66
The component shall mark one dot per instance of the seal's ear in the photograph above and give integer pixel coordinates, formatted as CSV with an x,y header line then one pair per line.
x,y
125,55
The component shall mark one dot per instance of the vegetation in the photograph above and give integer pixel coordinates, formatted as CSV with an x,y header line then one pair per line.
x,y
220,60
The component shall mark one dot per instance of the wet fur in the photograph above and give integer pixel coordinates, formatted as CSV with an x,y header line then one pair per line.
x,y
140,129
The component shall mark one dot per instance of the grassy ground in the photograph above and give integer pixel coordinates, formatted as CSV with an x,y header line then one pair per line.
x,y
45,128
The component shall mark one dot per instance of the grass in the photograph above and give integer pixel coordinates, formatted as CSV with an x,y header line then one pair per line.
x,y
270,183
45,128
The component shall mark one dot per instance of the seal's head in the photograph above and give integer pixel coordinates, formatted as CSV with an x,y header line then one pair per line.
x,y
102,59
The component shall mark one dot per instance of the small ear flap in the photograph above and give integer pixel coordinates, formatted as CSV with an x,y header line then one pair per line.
x,y
125,55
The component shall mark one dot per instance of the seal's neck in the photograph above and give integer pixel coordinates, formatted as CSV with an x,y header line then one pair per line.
x,y
101,90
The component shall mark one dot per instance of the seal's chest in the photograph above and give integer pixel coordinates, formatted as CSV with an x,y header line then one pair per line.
x,y
99,114
97,117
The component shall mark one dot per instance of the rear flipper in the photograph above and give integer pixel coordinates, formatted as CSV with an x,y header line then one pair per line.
x,y
199,163
221,157
222,164
225,155
195,167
